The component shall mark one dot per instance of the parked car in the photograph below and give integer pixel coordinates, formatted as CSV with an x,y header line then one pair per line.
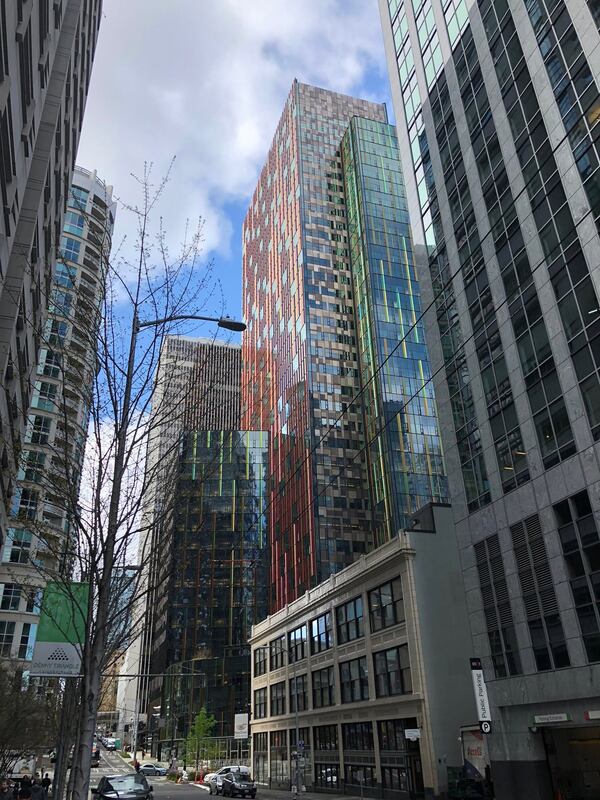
x,y
153,769
238,783
123,787
213,779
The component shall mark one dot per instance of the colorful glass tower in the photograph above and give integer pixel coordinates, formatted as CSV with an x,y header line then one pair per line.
x,y
312,351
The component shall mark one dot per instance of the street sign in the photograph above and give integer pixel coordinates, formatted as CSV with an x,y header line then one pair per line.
x,y
481,696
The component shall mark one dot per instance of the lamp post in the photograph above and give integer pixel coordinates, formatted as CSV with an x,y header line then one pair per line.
x,y
296,787
222,322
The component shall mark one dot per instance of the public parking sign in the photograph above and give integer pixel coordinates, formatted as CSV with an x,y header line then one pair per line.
x,y
481,696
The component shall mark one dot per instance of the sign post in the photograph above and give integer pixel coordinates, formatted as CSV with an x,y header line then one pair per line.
x,y
481,696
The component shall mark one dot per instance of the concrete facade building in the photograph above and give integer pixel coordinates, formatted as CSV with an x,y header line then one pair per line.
x,y
54,440
497,106
371,669
46,55
333,358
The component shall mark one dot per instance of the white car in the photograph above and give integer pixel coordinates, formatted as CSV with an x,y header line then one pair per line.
x,y
213,779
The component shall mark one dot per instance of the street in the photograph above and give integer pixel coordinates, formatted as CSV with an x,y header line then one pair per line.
x,y
113,764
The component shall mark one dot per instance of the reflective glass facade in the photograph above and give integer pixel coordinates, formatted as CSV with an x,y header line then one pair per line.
x,y
214,577
316,338
404,451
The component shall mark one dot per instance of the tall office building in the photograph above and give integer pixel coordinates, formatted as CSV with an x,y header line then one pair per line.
x,y
46,55
497,107
332,353
213,584
196,387
56,430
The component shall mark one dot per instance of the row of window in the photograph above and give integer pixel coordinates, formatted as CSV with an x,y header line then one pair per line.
x,y
386,608
272,758
580,542
391,669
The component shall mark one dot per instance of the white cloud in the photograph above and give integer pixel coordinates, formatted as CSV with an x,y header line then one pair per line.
x,y
205,80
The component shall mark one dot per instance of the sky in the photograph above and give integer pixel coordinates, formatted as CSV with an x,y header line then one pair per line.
x,y
205,81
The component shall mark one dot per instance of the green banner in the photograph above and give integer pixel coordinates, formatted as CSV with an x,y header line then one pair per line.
x,y
61,630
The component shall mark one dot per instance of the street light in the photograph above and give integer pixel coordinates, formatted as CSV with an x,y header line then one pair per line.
x,y
297,787
222,322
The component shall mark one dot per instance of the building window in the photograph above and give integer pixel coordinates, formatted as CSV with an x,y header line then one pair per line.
x,y
395,778
392,737
279,756
349,619
64,275
260,661
321,633
497,608
78,198
539,597
359,775
260,703
28,502
17,546
386,605
325,737
70,248
298,693
327,776
7,631
10,596
358,736
581,550
74,223
354,681
40,429
277,699
261,757
297,644
27,642
323,688
277,653
392,672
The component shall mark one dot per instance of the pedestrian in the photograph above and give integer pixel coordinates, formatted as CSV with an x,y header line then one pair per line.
x,y
137,765
46,783
25,790
5,790
37,790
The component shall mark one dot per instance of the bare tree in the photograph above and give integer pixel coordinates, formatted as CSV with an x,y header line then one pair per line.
x,y
131,449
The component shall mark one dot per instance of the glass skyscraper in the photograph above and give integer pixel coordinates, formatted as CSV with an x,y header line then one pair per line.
x,y
212,582
497,107
327,222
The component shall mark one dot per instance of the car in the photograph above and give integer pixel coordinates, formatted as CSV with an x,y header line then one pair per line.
x,y
153,769
110,743
123,787
213,779
238,783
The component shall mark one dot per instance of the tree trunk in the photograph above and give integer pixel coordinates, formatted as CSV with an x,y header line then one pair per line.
x,y
66,738
95,646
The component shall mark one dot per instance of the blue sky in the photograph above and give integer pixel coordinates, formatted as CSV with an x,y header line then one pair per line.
x,y
205,81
